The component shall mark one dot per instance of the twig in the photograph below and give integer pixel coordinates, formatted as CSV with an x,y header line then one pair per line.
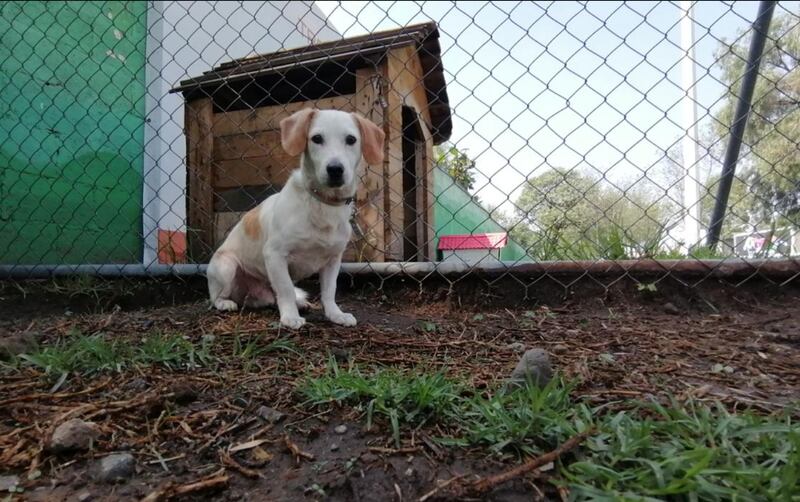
x,y
166,492
394,451
440,487
229,461
485,484
296,451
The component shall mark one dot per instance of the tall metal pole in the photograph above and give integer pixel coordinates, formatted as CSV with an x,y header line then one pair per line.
x,y
760,30
691,177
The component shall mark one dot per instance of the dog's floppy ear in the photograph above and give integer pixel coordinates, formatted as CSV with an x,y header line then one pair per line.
x,y
294,131
371,140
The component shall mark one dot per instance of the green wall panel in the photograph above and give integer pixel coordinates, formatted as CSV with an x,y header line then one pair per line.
x,y
72,88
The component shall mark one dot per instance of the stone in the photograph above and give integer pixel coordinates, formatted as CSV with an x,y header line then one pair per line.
x,y
84,497
340,429
73,435
271,415
334,447
8,483
517,347
114,468
18,343
533,368
670,308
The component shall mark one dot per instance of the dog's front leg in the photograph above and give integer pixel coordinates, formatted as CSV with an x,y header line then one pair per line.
x,y
327,283
281,282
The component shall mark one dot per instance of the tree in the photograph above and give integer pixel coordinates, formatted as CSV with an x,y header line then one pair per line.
x,y
456,163
566,214
771,173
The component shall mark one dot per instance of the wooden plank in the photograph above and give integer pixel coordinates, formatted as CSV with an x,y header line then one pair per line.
x,y
407,79
393,189
429,195
250,172
369,198
269,117
242,198
258,144
223,223
199,153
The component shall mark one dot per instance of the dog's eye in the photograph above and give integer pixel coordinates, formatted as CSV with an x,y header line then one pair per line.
x,y
350,139
317,138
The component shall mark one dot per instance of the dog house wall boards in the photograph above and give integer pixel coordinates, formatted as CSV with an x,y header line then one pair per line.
x,y
234,156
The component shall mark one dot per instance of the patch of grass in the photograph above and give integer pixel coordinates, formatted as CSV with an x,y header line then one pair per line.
x,y
528,420
685,451
689,451
95,353
249,349
408,399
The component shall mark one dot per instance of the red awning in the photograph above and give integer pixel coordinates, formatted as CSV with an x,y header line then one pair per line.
x,y
473,241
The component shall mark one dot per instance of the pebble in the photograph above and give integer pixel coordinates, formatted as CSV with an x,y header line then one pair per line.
x,y
670,308
84,497
271,415
18,343
517,347
117,467
73,435
534,367
340,429
8,482
334,447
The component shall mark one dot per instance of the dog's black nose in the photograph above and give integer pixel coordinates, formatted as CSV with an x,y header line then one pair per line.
x,y
335,171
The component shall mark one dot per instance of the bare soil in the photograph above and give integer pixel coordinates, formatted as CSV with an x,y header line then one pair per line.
x,y
192,431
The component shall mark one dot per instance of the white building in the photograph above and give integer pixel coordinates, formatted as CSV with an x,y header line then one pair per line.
x,y
185,39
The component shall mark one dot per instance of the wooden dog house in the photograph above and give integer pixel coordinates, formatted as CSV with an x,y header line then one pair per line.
x,y
234,156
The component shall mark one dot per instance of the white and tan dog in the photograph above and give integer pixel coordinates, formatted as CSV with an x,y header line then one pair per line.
x,y
304,228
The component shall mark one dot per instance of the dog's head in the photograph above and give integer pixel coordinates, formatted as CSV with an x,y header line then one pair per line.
x,y
333,143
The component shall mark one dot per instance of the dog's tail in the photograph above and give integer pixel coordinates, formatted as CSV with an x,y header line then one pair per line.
x,y
301,297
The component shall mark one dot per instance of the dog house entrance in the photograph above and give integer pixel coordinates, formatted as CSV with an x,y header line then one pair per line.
x,y
413,190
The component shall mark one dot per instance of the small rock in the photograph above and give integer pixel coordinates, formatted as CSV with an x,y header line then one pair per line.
x,y
184,393
137,384
334,447
534,367
73,435
117,467
84,497
409,472
18,343
559,348
8,483
517,347
670,308
340,354
340,429
271,415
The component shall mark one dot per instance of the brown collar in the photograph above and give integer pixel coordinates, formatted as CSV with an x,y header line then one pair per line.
x,y
331,201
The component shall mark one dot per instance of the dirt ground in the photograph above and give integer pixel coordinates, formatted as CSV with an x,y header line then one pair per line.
x,y
739,345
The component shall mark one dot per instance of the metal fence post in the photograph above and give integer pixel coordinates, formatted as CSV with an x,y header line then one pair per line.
x,y
760,30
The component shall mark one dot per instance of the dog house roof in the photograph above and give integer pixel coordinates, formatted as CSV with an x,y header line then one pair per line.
x,y
496,240
358,52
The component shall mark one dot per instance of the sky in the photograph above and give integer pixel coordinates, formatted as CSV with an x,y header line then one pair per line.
x,y
538,85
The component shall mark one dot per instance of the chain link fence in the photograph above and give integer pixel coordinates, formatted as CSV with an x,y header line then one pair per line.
x,y
547,137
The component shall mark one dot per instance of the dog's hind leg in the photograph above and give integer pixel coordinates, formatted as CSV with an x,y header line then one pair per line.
x,y
222,281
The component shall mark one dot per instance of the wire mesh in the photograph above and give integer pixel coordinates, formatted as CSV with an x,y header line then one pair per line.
x,y
520,136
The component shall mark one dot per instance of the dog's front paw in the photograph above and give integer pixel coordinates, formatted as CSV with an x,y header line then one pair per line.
x,y
226,305
343,319
293,322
